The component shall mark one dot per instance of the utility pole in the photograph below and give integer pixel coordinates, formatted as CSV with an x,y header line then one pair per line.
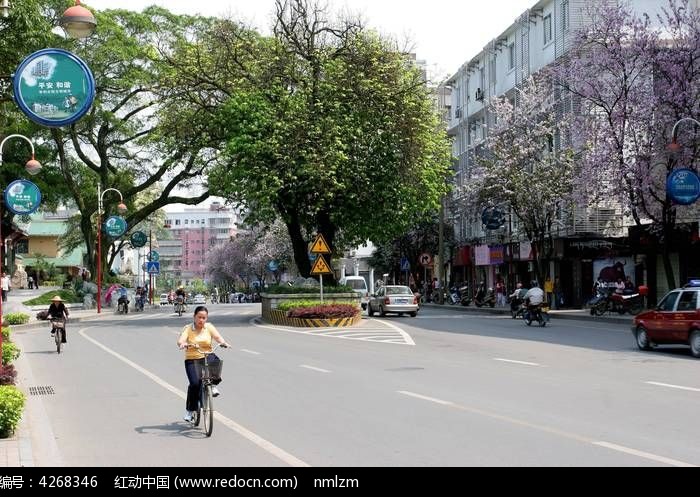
x,y
150,256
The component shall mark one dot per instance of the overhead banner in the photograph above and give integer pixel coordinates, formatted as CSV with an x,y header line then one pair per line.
x,y
54,88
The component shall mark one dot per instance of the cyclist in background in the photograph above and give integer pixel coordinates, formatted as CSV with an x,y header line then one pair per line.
x,y
202,334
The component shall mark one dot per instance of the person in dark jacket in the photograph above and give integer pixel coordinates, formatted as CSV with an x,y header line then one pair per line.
x,y
58,310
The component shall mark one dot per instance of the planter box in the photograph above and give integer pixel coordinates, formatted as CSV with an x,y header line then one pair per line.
x,y
271,315
280,318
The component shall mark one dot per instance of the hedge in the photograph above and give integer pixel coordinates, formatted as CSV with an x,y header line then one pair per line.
x,y
6,334
10,352
11,407
296,304
294,290
329,311
16,318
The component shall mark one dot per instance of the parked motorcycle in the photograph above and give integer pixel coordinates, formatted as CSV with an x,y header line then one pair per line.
x,y
484,298
464,297
455,297
613,302
536,313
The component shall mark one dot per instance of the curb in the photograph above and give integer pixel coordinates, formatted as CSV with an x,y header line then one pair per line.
x,y
556,315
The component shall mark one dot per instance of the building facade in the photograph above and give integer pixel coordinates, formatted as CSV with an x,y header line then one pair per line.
x,y
588,238
199,230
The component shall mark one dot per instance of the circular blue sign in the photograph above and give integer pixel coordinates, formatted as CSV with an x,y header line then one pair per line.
x,y
493,218
273,266
22,197
54,87
115,226
683,186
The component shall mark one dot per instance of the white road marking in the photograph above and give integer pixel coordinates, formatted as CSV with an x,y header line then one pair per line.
x,y
554,431
251,352
645,455
429,399
519,362
357,334
229,423
677,387
314,369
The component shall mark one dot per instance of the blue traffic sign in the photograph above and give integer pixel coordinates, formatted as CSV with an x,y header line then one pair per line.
x,y
683,186
405,264
153,267
273,266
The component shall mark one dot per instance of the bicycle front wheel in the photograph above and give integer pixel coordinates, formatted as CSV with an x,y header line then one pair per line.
x,y
208,411
59,339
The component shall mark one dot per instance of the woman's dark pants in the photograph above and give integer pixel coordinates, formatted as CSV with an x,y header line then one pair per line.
x,y
193,368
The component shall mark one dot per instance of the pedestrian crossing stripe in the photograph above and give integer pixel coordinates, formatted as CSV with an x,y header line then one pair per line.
x,y
320,246
321,267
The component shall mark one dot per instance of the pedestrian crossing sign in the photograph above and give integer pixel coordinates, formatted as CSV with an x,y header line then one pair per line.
x,y
153,267
320,246
321,267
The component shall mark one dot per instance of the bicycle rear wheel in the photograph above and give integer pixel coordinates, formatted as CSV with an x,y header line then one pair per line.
x,y
208,411
59,339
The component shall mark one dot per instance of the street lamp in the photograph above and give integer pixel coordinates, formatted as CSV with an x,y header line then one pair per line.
x,y
5,7
674,146
78,22
33,167
122,209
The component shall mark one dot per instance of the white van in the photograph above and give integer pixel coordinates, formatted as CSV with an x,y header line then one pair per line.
x,y
358,285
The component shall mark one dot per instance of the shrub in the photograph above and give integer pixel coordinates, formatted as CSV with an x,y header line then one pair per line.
x,y
10,352
6,334
296,304
16,318
11,407
294,290
8,374
329,311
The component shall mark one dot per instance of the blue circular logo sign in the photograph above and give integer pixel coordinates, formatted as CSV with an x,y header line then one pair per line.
x,y
54,87
273,266
22,197
493,218
683,186
115,226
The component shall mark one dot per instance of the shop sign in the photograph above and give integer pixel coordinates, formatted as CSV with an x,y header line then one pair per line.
x,y
482,254
526,251
54,87
496,254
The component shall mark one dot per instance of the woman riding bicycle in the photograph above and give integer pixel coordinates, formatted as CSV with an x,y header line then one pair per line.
x,y
58,311
198,334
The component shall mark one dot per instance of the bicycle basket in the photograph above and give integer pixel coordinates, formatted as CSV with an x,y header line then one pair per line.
x,y
215,365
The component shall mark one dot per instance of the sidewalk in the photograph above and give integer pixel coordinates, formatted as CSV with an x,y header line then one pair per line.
x,y
571,314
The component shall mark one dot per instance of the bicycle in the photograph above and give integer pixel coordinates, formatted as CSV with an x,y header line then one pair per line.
x,y
210,372
58,329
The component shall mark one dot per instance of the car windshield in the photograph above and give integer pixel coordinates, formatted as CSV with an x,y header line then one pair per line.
x,y
398,290
356,284
669,303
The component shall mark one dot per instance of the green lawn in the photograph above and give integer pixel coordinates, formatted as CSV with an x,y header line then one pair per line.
x,y
68,297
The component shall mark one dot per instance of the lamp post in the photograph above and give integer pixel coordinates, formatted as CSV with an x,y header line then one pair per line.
x,y
674,146
121,208
33,167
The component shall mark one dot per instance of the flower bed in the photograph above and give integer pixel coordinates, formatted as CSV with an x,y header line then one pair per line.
x,y
338,310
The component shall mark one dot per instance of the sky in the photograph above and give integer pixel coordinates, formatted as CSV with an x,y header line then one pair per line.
x,y
445,33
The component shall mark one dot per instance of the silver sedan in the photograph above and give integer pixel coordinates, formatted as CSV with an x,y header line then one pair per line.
x,y
395,299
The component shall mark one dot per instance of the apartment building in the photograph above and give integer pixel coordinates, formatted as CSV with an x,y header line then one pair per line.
x,y
588,238
199,230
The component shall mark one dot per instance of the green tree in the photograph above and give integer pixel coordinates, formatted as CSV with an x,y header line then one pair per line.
x,y
330,127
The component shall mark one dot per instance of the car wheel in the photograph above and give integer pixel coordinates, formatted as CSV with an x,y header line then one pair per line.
x,y
370,311
695,343
642,339
414,314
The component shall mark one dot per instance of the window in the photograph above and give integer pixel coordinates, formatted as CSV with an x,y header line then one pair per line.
x,y
547,24
669,303
511,56
187,221
492,71
177,222
565,15
688,301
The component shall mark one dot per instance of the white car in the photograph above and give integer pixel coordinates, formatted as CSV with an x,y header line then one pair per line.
x,y
199,299
163,299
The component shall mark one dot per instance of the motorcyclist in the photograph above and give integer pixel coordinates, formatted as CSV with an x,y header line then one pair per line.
x,y
180,293
140,297
535,295
123,299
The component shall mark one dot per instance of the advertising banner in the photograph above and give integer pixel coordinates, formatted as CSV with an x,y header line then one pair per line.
x,y
482,254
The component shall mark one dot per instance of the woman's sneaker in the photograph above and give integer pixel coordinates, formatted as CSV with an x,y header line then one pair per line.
x,y
215,392
188,416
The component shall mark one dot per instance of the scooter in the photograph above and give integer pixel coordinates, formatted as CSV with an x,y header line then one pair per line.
x,y
465,299
454,296
613,302
482,298
536,313
122,306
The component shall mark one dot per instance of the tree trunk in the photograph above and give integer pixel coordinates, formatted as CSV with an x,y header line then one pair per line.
x,y
300,247
668,267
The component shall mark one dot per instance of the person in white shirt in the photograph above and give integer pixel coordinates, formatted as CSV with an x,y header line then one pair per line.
x,y
534,296
5,282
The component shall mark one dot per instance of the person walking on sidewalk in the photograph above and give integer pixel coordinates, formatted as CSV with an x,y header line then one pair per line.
x,y
5,283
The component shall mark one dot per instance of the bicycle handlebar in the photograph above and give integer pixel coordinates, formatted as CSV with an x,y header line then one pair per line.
x,y
195,346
